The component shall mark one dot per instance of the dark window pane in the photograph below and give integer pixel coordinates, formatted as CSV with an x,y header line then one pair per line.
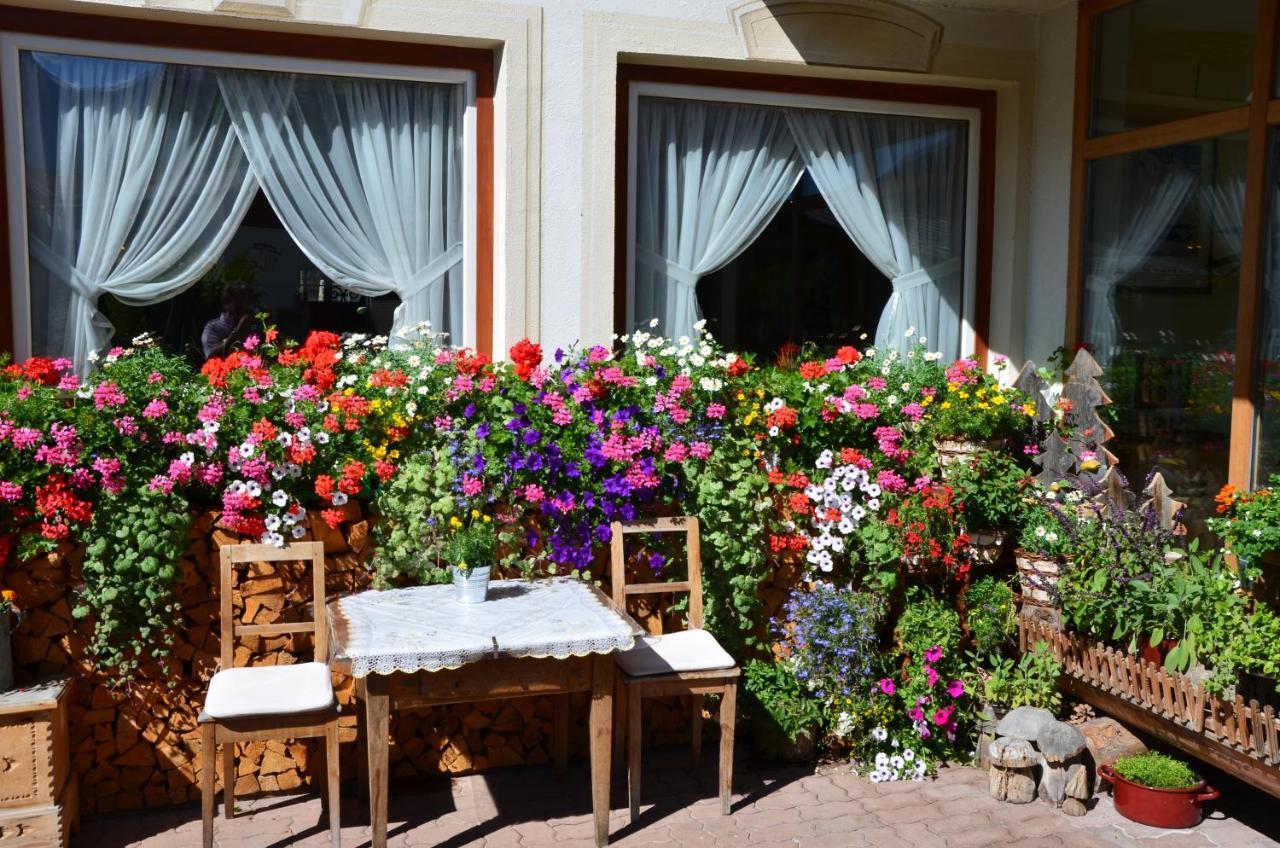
x,y
1163,60
1267,447
281,281
1162,264
802,281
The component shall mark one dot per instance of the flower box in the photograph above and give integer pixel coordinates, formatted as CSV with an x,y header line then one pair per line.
x,y
958,451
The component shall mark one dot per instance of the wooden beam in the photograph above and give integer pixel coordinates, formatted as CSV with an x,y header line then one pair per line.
x,y
1173,132
1249,297
1079,178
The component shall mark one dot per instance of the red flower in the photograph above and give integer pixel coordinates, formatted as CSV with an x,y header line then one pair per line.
x,y
385,470
324,486
848,355
525,356
332,517
738,367
382,378
813,370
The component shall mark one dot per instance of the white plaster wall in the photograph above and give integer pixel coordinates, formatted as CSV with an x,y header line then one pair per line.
x,y
555,115
1046,275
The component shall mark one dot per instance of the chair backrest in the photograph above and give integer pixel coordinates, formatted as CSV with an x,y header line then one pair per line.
x,y
687,524
232,555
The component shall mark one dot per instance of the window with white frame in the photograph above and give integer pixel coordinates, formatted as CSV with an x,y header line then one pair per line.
x,y
782,220
180,193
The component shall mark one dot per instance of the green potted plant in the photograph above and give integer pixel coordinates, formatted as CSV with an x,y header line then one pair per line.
x,y
1249,524
1029,681
470,548
1248,663
785,717
991,616
1157,790
1043,544
973,412
990,487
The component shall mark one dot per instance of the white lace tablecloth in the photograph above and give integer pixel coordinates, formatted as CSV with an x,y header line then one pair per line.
x,y
424,628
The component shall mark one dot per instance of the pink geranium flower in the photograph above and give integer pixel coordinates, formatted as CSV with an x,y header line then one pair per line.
x,y
886,686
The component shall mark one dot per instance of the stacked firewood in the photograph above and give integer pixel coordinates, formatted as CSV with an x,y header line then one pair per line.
x,y
139,746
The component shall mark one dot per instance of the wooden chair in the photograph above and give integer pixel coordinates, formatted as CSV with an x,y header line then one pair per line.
x,y
268,702
689,662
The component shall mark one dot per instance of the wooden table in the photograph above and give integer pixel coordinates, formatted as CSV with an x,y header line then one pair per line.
x,y
417,647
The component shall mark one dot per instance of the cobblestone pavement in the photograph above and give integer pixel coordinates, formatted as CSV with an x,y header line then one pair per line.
x,y
789,806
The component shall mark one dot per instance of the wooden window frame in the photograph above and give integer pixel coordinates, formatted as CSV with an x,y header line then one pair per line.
x,y
982,100
271,41
1254,119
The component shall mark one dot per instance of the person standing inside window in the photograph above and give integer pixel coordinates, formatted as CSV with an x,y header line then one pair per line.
x,y
228,331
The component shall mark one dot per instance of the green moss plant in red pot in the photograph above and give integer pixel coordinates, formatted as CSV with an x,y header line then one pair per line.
x,y
1157,790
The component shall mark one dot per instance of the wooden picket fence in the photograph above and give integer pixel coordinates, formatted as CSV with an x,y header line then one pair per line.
x,y
1241,738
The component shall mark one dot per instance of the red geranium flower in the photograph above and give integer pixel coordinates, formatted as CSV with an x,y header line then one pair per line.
x,y
525,356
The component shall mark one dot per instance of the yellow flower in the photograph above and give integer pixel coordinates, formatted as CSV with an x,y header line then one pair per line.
x,y
475,513
759,392
487,519
1028,409
946,404
454,521
741,396
928,400
964,395
984,406
376,403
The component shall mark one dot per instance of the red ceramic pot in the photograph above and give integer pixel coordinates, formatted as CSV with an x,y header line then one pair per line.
x,y
1155,654
1158,807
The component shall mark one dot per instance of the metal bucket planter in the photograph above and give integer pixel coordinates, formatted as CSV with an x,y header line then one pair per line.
x,y
1173,808
1038,578
471,585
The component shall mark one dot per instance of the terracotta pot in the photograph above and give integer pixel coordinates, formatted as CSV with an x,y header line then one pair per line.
x,y
1155,654
1175,808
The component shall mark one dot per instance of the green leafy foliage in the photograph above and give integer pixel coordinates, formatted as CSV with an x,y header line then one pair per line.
x,y
775,695
992,616
1028,681
130,569
927,621
1156,770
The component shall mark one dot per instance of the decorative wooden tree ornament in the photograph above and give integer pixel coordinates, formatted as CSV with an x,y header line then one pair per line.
x,y
1030,383
1161,501
1088,433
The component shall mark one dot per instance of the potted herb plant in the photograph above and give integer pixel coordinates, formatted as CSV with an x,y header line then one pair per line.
x,y
785,718
470,548
1157,790
990,487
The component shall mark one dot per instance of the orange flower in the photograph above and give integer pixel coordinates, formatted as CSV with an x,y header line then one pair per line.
x,y
1225,498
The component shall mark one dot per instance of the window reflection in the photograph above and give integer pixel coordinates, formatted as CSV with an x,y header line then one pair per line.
x,y
1162,262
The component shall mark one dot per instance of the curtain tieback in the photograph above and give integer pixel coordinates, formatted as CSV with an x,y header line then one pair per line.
x,y
63,270
671,269
436,268
924,276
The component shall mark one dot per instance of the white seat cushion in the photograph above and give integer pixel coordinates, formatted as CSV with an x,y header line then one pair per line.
x,y
690,650
269,690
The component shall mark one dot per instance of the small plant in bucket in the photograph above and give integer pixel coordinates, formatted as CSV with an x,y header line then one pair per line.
x,y
1158,790
470,548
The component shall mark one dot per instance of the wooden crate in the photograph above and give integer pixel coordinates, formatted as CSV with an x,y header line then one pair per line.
x,y
38,799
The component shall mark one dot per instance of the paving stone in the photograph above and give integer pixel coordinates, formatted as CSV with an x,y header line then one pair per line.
x,y
528,808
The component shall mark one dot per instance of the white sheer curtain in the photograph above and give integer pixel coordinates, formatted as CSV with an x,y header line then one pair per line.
x,y
897,185
709,177
135,184
366,176
1148,220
